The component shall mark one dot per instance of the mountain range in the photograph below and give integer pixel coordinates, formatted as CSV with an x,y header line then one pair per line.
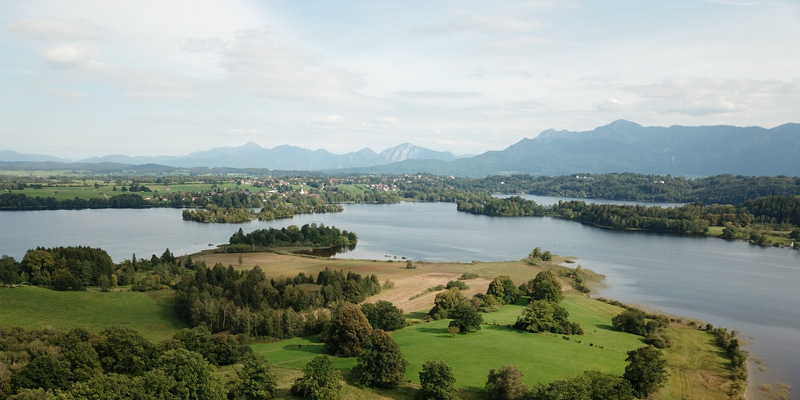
x,y
621,146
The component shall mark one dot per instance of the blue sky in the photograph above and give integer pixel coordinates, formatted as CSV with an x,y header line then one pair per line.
x,y
84,78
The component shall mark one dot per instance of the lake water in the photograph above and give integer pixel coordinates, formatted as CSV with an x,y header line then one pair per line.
x,y
751,289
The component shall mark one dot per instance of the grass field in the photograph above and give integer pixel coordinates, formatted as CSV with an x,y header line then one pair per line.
x,y
69,192
542,357
697,368
30,307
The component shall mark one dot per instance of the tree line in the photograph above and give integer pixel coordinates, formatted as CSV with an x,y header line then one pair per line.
x,y
248,302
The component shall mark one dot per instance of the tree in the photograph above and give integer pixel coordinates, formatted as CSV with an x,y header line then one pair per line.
x,y
646,370
381,362
632,321
384,315
194,375
466,317
9,270
545,286
320,380
503,289
544,316
44,371
437,381
446,301
795,234
348,331
124,351
506,384
255,380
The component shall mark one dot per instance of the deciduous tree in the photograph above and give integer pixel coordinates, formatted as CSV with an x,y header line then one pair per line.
x,y
381,362
437,381
348,331
646,370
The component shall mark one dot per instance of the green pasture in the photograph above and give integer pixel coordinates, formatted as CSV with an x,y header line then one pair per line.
x,y
542,357
69,192
30,307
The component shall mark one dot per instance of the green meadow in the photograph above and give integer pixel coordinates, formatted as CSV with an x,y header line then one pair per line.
x,y
542,357
30,307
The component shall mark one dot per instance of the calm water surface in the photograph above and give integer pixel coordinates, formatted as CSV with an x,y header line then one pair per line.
x,y
733,284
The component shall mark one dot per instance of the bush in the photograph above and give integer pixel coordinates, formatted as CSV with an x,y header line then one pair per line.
x,y
469,275
460,285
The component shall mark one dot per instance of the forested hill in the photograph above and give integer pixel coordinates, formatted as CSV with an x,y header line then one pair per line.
x,y
624,146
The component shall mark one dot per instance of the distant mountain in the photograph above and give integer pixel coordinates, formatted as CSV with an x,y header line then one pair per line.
x,y
621,146
408,151
284,157
624,146
12,156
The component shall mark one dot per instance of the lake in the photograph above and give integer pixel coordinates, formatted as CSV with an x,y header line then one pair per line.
x,y
751,289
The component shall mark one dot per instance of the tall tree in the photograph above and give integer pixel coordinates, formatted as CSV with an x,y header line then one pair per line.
x,y
646,370
381,362
348,331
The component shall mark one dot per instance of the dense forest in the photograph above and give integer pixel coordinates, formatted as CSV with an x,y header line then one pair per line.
x,y
118,363
248,302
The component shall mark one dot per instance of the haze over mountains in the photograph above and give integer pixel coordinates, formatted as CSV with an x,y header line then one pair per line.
x,y
621,146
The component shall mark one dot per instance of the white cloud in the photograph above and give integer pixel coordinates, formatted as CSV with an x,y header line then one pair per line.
x,y
70,55
423,94
737,99
53,30
256,64
245,132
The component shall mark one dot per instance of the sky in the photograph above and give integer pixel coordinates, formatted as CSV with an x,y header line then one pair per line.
x,y
84,78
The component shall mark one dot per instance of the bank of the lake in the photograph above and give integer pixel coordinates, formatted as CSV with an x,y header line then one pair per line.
x,y
732,284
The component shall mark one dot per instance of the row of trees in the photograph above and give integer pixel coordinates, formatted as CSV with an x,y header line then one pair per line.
x,y
19,201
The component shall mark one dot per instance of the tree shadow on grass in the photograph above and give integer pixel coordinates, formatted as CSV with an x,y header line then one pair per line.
x,y
306,348
504,328
606,327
